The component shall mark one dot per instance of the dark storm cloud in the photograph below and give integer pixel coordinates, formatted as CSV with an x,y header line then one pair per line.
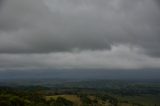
x,y
107,34
158,2
1,1
119,57
34,26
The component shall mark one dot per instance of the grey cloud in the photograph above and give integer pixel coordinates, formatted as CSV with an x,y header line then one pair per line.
x,y
43,26
1,1
158,2
119,57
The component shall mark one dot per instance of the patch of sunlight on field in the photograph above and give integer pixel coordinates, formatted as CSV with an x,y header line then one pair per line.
x,y
125,104
75,99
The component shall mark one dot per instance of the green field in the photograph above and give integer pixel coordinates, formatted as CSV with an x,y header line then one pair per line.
x,y
144,100
83,93
75,99
147,100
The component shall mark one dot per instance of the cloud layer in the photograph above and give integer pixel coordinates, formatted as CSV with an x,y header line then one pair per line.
x,y
119,57
80,34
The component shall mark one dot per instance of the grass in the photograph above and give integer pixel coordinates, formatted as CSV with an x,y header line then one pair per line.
x,y
75,99
147,100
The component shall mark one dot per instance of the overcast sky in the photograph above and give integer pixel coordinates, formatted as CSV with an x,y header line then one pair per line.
x,y
79,34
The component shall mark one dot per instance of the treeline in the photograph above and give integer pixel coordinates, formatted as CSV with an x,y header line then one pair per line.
x,y
33,100
13,97
36,96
